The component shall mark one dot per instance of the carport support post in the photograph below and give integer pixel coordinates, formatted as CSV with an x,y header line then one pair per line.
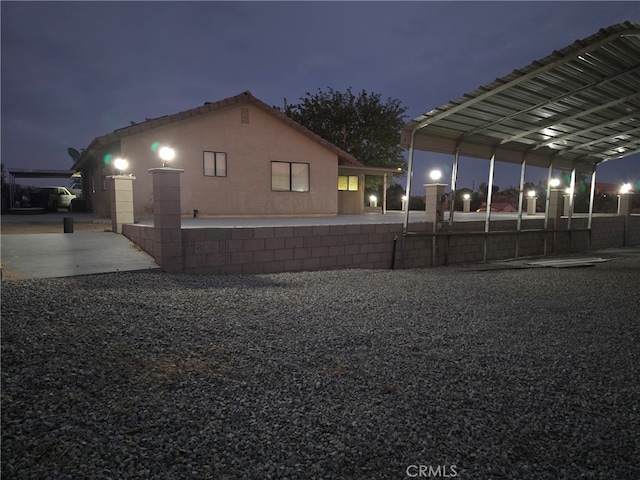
x,y
121,200
167,221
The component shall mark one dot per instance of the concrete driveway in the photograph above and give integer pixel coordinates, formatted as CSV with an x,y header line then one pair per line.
x,y
49,255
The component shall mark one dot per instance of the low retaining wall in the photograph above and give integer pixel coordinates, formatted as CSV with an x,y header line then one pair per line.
x,y
282,249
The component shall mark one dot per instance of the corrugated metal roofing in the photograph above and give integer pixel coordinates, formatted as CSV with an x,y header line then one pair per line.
x,y
579,106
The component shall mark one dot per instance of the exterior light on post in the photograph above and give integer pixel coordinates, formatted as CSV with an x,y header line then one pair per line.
x,y
554,183
166,154
624,202
466,203
373,201
531,202
120,165
435,175
626,188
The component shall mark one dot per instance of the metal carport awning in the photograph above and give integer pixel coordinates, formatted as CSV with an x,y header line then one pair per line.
x,y
34,173
572,110
579,105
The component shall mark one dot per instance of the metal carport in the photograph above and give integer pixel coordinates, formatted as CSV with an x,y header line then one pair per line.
x,y
572,110
33,173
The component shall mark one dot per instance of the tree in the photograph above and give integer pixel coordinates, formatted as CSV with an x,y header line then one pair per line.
x,y
362,125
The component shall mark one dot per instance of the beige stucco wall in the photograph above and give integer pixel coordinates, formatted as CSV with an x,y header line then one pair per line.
x,y
250,148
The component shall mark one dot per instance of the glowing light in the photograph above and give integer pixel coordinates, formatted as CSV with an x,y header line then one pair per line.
x,y
569,191
555,182
120,164
531,193
626,188
435,175
166,154
466,196
373,198
404,198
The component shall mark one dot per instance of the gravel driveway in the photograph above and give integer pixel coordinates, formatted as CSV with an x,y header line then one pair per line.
x,y
448,372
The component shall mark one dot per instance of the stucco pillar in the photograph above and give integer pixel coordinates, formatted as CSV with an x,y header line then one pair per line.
x,y
434,203
434,210
624,203
555,205
466,203
624,209
567,204
167,221
121,200
531,205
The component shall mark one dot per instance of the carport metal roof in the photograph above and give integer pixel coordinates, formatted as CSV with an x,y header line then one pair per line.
x,y
578,107
33,173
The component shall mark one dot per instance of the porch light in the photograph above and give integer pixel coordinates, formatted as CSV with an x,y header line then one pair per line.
x,y
531,193
626,188
554,183
435,175
466,196
120,165
166,154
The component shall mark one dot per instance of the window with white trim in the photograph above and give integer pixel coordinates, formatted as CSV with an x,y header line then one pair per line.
x,y
214,164
289,177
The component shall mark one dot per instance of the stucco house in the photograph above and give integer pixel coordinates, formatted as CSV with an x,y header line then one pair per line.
x,y
240,157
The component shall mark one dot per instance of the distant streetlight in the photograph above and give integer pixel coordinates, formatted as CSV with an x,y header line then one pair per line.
x,y
166,154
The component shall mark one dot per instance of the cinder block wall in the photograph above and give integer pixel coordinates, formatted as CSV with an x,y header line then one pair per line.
x,y
285,249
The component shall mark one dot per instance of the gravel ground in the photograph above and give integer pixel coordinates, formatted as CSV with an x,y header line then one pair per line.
x,y
455,373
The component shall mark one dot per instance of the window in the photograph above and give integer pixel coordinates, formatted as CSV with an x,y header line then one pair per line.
x,y
289,177
215,164
348,183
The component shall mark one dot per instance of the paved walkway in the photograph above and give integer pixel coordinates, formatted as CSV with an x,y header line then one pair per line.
x,y
50,255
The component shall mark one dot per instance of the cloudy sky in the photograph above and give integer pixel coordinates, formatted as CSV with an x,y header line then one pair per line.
x,y
72,71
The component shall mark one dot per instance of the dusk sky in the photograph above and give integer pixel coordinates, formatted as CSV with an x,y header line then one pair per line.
x,y
72,71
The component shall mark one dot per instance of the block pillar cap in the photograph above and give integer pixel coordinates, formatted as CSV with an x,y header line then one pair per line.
x,y
166,170
122,177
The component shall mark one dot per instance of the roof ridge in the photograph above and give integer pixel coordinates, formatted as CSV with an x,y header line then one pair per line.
x,y
243,97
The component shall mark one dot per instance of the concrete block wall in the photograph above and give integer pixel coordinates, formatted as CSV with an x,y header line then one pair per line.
x,y
633,230
607,232
286,249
